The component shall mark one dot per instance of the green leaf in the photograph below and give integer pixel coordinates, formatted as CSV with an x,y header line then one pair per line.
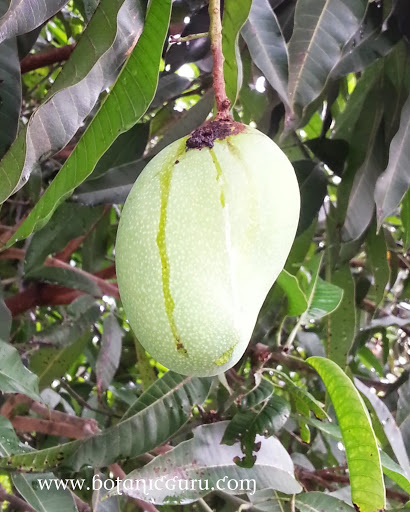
x,y
320,502
203,457
42,500
145,370
173,395
267,419
395,181
405,219
66,277
302,395
5,318
323,297
370,42
377,256
346,121
123,107
360,208
362,454
110,352
81,314
297,303
326,299
355,204
14,377
234,16
395,472
92,67
386,419
267,46
322,27
68,222
341,324
24,16
10,89
313,189
51,363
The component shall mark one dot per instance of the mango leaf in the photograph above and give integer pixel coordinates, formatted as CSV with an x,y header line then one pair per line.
x,y
69,221
80,315
320,502
5,318
77,280
234,17
322,27
297,303
267,46
390,468
341,324
42,500
173,393
390,427
362,454
405,219
361,205
395,472
370,42
93,66
246,425
110,352
14,377
326,299
303,395
313,189
323,297
128,100
346,121
395,181
10,89
23,17
204,457
51,363
377,256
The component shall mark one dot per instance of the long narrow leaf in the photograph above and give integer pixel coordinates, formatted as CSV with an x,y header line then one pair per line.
x,y
93,66
322,27
363,459
127,102
267,47
395,181
24,16
173,395
10,89
235,15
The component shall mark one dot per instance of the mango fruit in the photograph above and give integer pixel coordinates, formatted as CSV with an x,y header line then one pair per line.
x,y
203,235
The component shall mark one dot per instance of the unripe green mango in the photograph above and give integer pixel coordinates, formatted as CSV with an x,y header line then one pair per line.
x,y
203,235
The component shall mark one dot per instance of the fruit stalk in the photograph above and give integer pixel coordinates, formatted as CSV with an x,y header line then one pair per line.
x,y
215,33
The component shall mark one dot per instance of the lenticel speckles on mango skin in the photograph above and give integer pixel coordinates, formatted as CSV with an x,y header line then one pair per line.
x,y
203,235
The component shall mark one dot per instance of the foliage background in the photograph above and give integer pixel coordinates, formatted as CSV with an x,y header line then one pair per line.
x,y
329,81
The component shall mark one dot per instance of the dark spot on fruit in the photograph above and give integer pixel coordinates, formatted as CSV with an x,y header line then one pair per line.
x,y
177,161
205,135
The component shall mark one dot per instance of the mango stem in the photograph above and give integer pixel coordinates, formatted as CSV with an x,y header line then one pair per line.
x,y
215,33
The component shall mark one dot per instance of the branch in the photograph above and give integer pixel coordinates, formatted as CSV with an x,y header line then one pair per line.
x,y
327,477
46,58
15,502
53,428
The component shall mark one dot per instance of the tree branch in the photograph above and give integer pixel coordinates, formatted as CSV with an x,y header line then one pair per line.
x,y
15,502
46,58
